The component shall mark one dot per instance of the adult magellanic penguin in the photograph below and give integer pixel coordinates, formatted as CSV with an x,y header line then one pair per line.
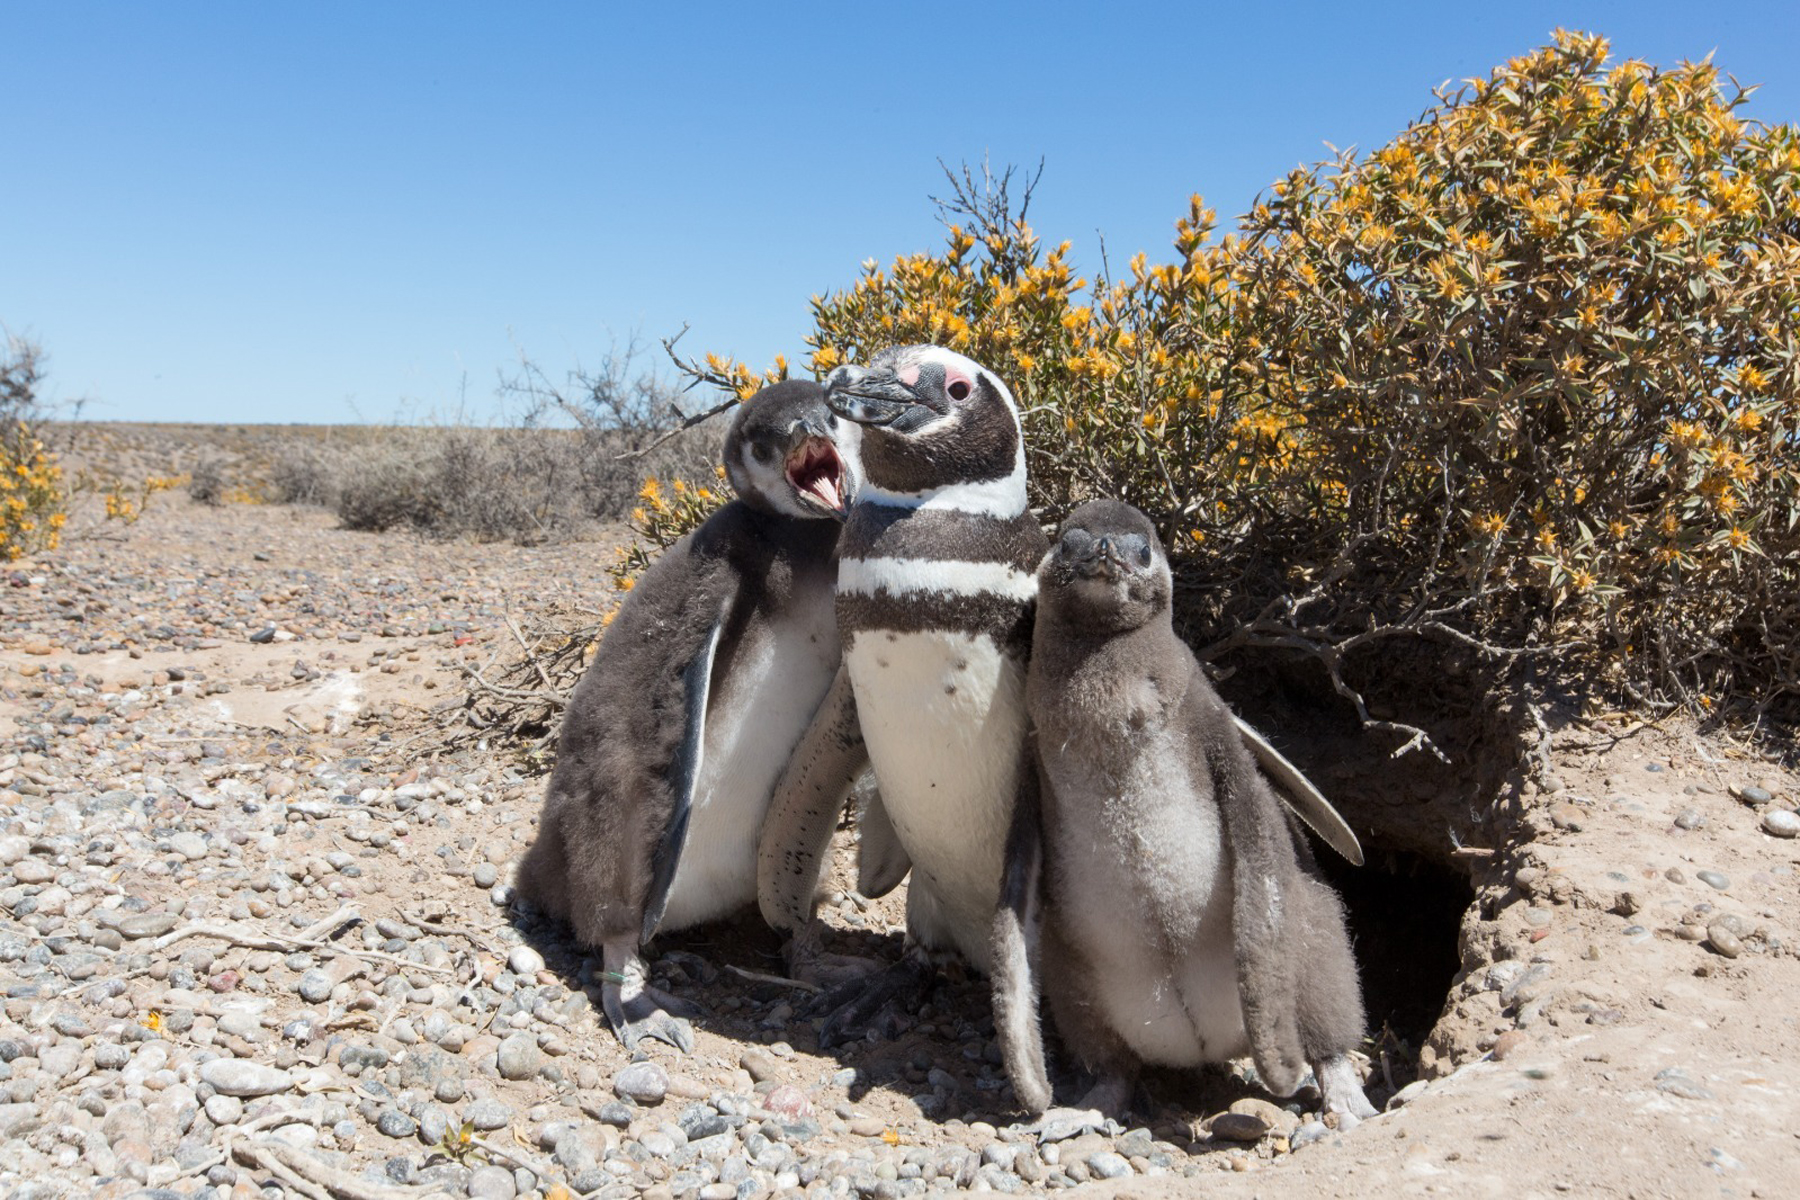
x,y
934,599
705,680
1154,889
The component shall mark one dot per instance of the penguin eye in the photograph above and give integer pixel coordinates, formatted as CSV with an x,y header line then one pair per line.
x,y
958,389
762,451
1144,554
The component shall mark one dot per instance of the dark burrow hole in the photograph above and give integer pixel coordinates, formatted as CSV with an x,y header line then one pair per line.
x,y
1406,904
1404,913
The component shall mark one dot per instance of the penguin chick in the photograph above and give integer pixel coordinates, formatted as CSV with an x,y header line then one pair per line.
x,y
1155,890
704,682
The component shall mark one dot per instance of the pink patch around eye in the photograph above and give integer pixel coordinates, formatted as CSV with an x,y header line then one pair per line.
x,y
909,375
952,377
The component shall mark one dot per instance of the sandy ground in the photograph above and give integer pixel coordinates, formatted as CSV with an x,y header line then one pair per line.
x,y
1623,1023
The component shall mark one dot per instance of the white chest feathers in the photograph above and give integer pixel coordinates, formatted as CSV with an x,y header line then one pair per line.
x,y
1141,893
944,717
754,719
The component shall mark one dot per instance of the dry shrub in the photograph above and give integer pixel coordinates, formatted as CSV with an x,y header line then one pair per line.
x,y
206,483
32,495
1525,379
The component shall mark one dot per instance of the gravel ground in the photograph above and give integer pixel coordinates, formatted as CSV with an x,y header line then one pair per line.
x,y
255,937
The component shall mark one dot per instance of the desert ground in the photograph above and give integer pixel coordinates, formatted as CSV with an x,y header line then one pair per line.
x,y
257,938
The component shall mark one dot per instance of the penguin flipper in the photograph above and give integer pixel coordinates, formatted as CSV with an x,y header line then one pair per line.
x,y
1261,851
881,861
804,810
1014,943
1308,803
684,775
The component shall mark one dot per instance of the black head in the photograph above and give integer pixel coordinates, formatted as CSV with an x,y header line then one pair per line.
x,y
935,422
1107,571
786,452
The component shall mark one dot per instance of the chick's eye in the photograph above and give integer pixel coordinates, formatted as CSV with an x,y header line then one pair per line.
x,y
958,389
1144,554
762,451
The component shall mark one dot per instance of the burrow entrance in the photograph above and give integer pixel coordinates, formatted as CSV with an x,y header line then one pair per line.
x,y
1412,814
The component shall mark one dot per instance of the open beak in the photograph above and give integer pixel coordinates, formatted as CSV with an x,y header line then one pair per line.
x,y
875,396
816,471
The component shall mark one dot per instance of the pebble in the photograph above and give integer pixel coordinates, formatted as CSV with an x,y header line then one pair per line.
x,y
525,961
645,1083
396,1124
1108,1165
485,875
1754,794
1713,879
519,1057
1677,1082
240,1077
1238,1127
1690,818
486,1114
493,1183
1724,940
1781,823
148,925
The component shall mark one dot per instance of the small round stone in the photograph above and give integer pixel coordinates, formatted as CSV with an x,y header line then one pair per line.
x,y
492,1183
1724,940
488,1114
1690,818
315,986
525,961
485,875
1755,795
1108,1165
518,1057
1779,822
396,1124
1713,879
240,1077
645,1082
1239,1127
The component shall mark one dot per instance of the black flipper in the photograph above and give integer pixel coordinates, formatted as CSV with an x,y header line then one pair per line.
x,y
1308,803
684,775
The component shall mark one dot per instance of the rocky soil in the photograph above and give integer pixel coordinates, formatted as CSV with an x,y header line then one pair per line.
x,y
255,937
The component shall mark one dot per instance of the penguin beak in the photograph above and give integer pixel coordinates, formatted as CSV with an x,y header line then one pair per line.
x,y
876,396
1110,556
815,470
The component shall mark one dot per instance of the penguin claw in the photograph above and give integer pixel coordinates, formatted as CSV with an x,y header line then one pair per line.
x,y
1061,1124
856,1002
648,1015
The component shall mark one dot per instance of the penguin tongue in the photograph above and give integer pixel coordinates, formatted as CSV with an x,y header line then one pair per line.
x,y
814,469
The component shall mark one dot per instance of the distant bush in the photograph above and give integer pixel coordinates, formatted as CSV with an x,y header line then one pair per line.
x,y
32,495
1526,377
206,483
527,480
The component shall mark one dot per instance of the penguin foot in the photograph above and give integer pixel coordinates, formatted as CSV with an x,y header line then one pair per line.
x,y
1342,1091
852,1006
648,1014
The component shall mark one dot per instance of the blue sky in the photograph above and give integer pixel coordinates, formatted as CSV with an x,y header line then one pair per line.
x,y
334,212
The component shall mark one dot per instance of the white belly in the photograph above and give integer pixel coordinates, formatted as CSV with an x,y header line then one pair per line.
x,y
752,727
1143,895
944,718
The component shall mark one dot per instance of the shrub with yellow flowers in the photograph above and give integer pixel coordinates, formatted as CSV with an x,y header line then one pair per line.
x,y
1527,377
32,495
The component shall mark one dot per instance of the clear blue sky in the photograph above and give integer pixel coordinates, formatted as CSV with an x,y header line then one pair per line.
x,y
334,212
